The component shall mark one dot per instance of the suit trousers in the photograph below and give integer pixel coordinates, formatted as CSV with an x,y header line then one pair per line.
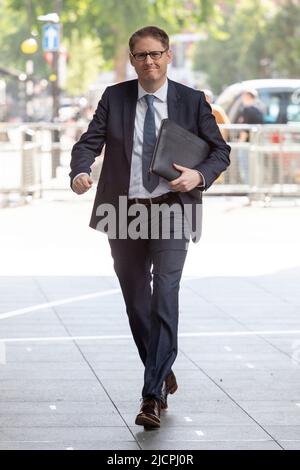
x,y
149,272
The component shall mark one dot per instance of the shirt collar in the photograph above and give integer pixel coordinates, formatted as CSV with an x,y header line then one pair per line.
x,y
160,94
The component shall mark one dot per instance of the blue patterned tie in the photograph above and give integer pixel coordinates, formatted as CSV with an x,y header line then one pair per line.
x,y
150,181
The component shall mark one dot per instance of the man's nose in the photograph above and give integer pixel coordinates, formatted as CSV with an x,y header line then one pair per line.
x,y
148,59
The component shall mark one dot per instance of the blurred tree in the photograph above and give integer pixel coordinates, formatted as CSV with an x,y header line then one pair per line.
x,y
108,24
283,35
84,62
238,51
15,27
113,21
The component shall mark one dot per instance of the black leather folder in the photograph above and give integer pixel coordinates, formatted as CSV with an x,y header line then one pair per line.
x,y
175,144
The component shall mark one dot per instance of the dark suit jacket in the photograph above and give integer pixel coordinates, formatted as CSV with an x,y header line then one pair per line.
x,y
113,125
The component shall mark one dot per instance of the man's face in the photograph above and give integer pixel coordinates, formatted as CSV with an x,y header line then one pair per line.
x,y
150,71
247,99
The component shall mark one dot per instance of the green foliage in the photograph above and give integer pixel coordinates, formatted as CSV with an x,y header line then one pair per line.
x,y
95,26
244,40
261,40
237,53
284,39
15,28
90,27
82,73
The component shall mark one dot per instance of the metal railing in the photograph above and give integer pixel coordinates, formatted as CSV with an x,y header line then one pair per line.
x,y
35,157
267,164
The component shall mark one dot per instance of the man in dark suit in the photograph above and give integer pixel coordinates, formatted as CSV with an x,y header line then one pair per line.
x,y
127,120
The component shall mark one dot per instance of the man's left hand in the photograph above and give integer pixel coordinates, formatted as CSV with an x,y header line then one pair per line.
x,y
187,181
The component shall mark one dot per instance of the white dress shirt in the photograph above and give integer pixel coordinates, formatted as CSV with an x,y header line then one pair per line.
x,y
136,188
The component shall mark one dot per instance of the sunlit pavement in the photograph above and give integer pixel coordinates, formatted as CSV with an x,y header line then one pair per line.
x,y
70,374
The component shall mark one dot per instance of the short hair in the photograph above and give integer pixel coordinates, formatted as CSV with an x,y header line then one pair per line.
x,y
250,91
152,31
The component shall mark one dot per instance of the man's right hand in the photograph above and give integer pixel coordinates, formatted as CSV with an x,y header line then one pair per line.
x,y
82,183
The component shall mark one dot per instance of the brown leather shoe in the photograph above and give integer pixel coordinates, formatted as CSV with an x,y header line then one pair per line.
x,y
149,415
169,386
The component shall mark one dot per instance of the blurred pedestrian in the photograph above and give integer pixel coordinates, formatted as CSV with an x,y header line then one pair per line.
x,y
218,112
249,114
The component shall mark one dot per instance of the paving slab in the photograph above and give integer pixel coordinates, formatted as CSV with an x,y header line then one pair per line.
x,y
69,381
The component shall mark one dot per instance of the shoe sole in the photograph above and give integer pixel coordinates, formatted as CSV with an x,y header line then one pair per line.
x,y
147,421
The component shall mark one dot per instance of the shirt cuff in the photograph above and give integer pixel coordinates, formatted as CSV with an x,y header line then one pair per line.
x,y
79,174
202,185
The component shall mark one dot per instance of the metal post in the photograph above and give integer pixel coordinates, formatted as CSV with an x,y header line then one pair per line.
x,y
55,98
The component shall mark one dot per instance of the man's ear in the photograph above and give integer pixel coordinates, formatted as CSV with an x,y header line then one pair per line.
x,y
169,56
131,59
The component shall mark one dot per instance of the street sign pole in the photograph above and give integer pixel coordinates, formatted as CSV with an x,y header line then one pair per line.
x,y
55,113
55,86
51,43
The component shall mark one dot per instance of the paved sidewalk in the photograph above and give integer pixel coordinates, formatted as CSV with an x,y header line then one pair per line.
x,y
70,375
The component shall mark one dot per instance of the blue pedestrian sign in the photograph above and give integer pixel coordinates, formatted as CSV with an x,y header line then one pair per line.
x,y
51,37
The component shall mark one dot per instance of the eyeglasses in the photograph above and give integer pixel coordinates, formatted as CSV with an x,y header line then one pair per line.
x,y
155,55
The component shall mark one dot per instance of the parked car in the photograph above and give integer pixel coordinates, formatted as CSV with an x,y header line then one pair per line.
x,y
279,99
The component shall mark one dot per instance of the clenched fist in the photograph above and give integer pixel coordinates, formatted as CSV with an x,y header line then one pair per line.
x,y
82,184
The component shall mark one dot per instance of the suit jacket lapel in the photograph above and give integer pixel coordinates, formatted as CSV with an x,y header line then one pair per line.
x,y
129,117
173,99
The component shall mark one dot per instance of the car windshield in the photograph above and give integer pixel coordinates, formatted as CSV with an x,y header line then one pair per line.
x,y
280,107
